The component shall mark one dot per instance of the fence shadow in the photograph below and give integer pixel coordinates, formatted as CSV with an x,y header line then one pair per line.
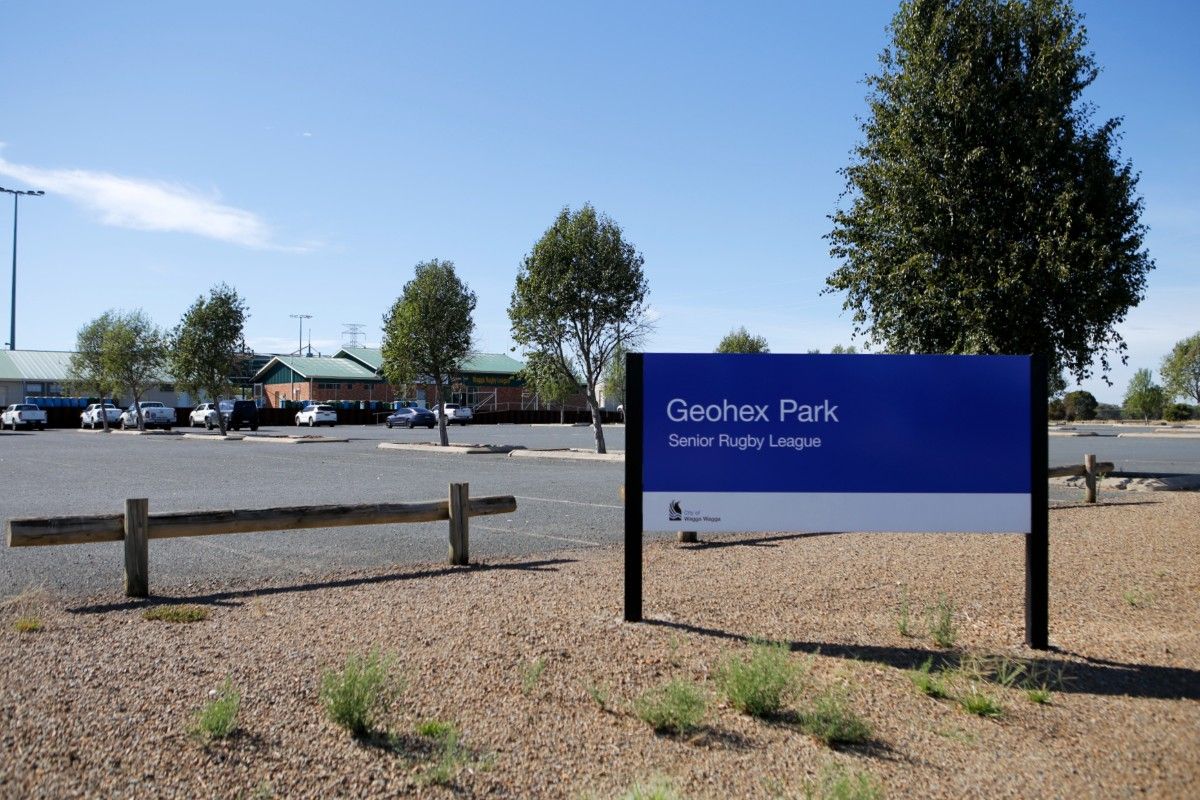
x,y
1086,676
236,597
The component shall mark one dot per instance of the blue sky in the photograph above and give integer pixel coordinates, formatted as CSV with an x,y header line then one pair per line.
x,y
310,154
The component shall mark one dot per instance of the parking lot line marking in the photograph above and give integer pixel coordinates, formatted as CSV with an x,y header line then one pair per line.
x,y
567,502
537,535
239,553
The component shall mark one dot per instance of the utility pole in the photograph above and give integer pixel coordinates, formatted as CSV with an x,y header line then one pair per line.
x,y
12,330
300,343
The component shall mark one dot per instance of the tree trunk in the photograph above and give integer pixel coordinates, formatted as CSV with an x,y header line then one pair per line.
x,y
220,416
597,429
443,436
562,413
137,407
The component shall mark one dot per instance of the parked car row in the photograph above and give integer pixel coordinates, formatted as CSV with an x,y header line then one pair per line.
x,y
317,415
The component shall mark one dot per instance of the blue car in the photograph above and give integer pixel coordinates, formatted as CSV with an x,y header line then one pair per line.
x,y
411,418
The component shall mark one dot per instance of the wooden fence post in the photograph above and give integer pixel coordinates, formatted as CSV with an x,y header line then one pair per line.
x,y
1089,477
687,536
137,550
460,507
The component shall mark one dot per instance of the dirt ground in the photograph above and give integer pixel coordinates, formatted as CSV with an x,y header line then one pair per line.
x,y
532,665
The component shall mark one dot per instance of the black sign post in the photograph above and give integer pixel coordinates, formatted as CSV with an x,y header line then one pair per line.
x,y
1037,541
635,414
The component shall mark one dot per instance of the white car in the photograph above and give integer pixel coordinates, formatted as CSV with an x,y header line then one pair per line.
x,y
204,415
92,416
455,413
317,415
154,415
24,414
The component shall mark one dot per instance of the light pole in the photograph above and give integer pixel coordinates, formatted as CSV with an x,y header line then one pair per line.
x,y
301,317
12,330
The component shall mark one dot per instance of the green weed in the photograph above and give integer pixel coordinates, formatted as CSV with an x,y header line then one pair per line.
x,y
27,625
941,626
903,623
176,614
838,783
676,707
599,695
531,673
831,720
1039,695
760,685
927,682
364,688
1137,597
658,788
980,704
219,717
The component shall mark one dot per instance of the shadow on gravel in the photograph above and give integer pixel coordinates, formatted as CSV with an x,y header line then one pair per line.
x,y
757,541
234,598
1102,504
1087,676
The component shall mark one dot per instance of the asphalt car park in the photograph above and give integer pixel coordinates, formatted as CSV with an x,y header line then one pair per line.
x,y
560,504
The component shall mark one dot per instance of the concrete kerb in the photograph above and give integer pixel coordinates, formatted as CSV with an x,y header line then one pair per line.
x,y
453,449
292,439
215,437
578,455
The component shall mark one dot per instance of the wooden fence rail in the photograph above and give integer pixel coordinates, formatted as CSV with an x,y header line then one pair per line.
x,y
137,526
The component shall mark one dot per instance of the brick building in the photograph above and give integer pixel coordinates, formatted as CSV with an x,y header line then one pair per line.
x,y
487,380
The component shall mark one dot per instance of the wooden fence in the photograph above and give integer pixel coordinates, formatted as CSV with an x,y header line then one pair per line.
x,y
137,526
1088,471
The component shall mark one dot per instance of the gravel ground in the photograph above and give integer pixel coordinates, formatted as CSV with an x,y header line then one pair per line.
x,y
99,701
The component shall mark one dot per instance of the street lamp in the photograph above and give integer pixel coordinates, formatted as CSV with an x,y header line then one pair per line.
x,y
301,317
12,331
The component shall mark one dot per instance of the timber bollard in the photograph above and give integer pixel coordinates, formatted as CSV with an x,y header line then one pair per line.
x,y
1089,477
137,548
460,503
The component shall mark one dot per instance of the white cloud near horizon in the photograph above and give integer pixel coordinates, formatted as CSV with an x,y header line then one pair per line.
x,y
147,205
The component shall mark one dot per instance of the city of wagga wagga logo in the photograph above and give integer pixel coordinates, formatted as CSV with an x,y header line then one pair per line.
x,y
788,410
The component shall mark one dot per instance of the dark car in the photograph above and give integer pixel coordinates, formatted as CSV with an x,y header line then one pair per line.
x,y
411,417
239,413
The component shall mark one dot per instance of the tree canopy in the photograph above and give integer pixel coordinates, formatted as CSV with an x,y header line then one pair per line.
x,y
741,340
119,351
988,213
1144,398
427,332
1180,369
580,294
544,375
208,343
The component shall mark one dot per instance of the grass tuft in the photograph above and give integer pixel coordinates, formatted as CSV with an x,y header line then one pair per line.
x,y
218,718
927,682
599,695
1137,597
676,707
657,788
837,783
176,614
904,622
364,688
980,704
531,673
27,625
1039,695
831,720
941,625
452,756
759,686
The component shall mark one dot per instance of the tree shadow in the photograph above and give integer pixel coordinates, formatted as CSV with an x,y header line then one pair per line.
x,y
238,597
1085,676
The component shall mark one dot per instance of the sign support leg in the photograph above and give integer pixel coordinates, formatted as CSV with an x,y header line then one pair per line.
x,y
635,413
1037,541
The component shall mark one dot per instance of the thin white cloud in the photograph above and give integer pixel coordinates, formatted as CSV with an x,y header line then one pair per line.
x,y
150,205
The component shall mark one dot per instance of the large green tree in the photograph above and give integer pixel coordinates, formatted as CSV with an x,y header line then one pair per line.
x,y
1180,369
741,340
208,343
131,354
88,372
580,295
988,213
1144,398
427,332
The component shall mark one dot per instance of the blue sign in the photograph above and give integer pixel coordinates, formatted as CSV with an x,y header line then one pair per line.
x,y
836,442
